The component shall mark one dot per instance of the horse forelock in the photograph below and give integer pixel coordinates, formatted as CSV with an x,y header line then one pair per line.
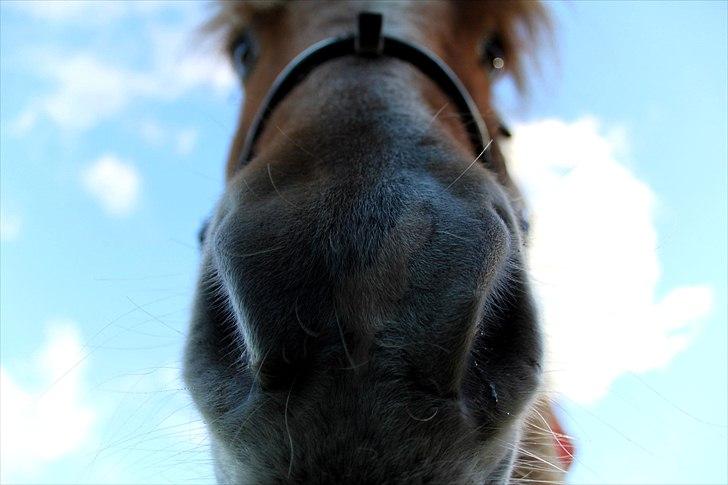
x,y
523,26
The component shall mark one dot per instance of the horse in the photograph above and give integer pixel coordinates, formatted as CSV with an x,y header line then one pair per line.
x,y
363,312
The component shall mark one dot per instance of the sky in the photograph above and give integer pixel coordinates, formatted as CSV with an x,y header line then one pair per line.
x,y
115,120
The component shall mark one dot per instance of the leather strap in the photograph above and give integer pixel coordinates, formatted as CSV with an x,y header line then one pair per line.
x,y
369,42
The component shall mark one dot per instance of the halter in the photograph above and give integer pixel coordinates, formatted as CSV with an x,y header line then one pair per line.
x,y
369,43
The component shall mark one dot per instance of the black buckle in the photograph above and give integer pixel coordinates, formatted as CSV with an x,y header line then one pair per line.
x,y
369,41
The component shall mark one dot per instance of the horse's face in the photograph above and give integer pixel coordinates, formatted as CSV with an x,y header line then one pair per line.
x,y
363,314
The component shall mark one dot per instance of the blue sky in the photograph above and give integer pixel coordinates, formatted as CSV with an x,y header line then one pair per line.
x,y
115,123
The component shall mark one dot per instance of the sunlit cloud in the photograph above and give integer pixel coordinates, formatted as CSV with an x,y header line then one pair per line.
x,y
44,422
114,183
594,258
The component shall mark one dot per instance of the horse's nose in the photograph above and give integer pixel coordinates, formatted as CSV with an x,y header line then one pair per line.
x,y
332,274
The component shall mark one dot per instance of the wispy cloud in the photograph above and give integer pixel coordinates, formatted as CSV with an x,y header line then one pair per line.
x,y
72,11
115,184
87,91
10,225
43,423
594,258
96,13
183,140
88,86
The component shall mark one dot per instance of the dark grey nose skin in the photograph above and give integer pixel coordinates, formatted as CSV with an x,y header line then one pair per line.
x,y
363,312
337,316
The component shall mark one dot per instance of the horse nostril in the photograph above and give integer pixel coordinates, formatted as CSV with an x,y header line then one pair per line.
x,y
273,375
507,218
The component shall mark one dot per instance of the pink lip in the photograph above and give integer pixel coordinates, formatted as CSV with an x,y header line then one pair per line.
x,y
564,445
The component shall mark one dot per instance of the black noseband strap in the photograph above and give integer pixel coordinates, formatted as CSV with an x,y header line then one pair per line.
x,y
369,42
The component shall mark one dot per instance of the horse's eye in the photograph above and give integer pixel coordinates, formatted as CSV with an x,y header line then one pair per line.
x,y
243,52
492,54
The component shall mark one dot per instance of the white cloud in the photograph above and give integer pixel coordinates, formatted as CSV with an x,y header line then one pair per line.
x,y
114,183
10,225
152,132
183,140
186,140
51,420
87,89
72,10
24,122
594,258
93,13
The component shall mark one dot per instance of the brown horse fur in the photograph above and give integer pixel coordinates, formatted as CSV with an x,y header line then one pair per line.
x,y
364,313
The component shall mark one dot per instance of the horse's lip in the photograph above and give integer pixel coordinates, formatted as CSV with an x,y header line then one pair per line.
x,y
563,443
